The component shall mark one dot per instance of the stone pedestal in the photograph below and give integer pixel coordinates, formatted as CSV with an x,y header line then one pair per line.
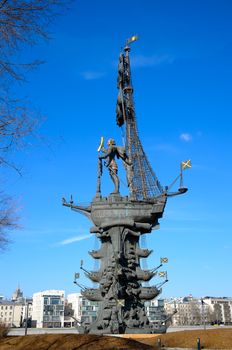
x,y
118,223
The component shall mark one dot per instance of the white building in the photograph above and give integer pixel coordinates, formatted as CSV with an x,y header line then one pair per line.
x,y
155,311
84,311
75,302
15,311
220,309
48,309
11,313
189,311
89,310
195,311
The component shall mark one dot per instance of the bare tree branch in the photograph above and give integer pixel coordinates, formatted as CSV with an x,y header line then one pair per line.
x,y
8,219
22,23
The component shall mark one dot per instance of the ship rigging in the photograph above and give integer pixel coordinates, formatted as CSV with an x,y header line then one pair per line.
x,y
142,181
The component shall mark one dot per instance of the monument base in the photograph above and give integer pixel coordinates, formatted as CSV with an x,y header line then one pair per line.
x,y
150,329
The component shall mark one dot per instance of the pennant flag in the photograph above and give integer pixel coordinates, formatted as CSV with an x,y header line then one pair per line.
x,y
133,38
162,274
121,302
164,260
186,164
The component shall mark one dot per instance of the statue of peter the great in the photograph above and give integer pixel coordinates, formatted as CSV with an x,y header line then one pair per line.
x,y
110,154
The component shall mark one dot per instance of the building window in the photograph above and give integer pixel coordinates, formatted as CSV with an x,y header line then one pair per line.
x,y
55,301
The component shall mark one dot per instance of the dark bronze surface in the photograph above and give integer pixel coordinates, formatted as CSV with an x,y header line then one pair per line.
x,y
118,222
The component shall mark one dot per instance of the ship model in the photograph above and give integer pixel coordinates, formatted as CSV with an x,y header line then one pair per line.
x,y
120,221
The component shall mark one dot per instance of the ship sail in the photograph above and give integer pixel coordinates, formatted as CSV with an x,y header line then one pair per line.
x,y
142,180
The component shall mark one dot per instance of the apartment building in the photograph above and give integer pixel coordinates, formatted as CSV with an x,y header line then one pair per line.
x,y
189,311
195,311
11,313
74,301
15,311
84,311
155,311
48,309
220,309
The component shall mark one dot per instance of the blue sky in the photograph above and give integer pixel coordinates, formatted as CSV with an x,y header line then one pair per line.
x,y
181,67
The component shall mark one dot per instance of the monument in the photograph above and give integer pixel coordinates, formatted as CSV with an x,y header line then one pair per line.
x,y
119,222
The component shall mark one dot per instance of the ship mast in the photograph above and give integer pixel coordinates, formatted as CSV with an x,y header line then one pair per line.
x,y
142,180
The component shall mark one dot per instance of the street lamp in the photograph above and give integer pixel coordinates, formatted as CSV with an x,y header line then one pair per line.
x,y
27,303
203,312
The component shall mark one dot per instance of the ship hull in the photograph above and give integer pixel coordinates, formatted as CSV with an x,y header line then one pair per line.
x,y
119,223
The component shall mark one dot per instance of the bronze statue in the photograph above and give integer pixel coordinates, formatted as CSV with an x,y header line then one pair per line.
x,y
120,221
110,154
